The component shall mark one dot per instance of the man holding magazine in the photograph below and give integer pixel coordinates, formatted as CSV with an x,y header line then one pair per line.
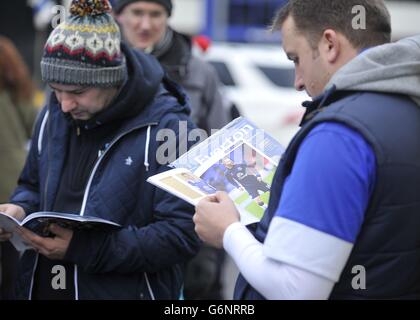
x,y
344,211
94,145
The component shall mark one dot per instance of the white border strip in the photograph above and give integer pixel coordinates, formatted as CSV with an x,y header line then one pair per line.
x,y
307,248
41,131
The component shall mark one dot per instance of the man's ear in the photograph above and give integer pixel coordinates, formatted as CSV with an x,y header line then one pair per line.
x,y
330,46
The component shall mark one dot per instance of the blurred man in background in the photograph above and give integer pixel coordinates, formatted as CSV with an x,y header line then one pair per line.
x,y
145,26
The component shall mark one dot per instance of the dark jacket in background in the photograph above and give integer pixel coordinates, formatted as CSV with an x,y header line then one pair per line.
x,y
200,81
197,77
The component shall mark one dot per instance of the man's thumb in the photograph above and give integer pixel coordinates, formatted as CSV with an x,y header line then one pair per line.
x,y
222,196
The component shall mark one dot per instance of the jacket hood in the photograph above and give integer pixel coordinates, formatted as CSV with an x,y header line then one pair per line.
x,y
391,68
144,78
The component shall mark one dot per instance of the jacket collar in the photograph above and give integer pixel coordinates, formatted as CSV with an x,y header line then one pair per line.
x,y
319,103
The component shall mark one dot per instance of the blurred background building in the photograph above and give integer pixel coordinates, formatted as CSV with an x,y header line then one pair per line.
x,y
247,20
255,73
28,23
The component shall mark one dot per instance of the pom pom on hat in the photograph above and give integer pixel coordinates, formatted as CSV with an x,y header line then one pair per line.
x,y
89,7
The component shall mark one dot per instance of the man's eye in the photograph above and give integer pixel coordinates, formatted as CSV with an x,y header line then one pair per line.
x,y
138,13
156,15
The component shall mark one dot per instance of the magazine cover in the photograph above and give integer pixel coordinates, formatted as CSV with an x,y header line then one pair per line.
x,y
240,159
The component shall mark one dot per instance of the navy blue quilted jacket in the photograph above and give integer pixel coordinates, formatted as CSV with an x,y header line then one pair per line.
x,y
144,259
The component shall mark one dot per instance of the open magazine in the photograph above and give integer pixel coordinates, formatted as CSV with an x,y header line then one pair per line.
x,y
39,223
240,159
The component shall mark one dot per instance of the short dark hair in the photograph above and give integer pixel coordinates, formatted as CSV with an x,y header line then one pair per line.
x,y
313,17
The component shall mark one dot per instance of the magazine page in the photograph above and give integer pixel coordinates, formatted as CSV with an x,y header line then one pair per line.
x,y
39,222
183,184
240,159
8,224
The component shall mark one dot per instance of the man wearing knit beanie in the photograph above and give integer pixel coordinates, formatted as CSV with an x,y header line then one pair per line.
x,y
94,146
144,24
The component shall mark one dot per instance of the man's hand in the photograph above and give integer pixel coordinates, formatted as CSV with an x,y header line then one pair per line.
x,y
53,248
14,211
212,217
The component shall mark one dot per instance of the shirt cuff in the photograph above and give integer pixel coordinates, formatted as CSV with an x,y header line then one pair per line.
x,y
236,239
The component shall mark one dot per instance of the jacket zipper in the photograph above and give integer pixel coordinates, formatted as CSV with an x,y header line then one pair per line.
x,y
32,279
82,210
85,197
149,287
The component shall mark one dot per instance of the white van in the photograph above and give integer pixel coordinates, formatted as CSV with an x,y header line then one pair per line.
x,y
259,80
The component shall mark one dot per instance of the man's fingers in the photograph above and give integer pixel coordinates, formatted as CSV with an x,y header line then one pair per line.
x,y
32,238
212,202
222,196
211,198
5,236
205,201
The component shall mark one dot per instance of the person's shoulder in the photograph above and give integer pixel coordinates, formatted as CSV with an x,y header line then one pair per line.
x,y
198,64
335,128
328,142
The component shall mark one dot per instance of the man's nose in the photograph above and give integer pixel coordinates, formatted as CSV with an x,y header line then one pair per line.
x,y
299,83
67,103
146,22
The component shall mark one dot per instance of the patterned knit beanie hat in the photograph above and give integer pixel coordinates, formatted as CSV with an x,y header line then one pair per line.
x,y
85,49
